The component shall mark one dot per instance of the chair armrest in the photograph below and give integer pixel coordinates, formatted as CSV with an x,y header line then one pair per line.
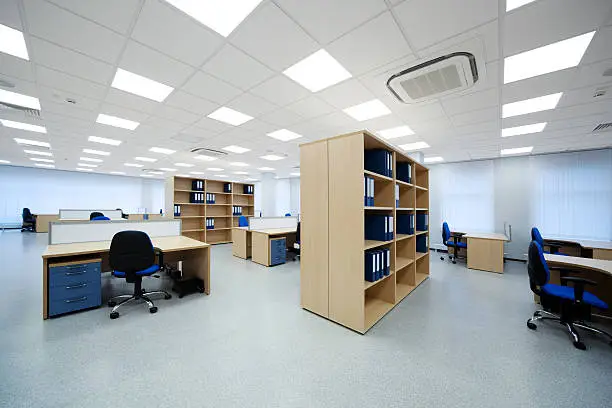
x,y
578,285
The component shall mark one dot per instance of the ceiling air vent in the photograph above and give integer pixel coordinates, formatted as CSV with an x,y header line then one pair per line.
x,y
603,127
435,78
10,108
204,150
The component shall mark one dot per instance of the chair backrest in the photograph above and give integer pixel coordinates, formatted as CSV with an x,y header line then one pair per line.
x,y
243,222
26,214
297,233
100,218
445,232
95,214
288,215
130,252
537,267
537,237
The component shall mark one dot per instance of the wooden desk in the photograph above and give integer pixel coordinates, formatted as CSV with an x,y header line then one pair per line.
x,y
485,251
261,243
195,257
140,217
241,242
43,220
590,249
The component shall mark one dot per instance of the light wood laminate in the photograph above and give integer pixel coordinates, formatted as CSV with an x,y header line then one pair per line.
x,y
43,220
260,251
241,242
486,235
597,265
486,254
605,254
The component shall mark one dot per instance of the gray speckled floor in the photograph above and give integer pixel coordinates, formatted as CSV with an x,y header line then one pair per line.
x,y
458,341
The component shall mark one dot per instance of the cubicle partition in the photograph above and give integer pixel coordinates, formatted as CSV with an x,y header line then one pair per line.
x,y
65,214
267,223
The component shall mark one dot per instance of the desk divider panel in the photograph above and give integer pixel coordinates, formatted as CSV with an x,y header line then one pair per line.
x,y
264,223
84,214
88,231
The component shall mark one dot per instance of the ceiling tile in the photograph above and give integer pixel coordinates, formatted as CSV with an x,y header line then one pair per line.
x,y
73,84
419,113
114,14
538,86
280,90
584,95
251,105
266,34
282,117
123,112
130,101
22,86
74,32
372,45
478,128
311,107
487,34
68,110
599,49
179,36
474,101
237,68
175,114
10,14
60,95
346,94
191,103
592,74
210,88
477,116
427,22
170,127
327,20
210,125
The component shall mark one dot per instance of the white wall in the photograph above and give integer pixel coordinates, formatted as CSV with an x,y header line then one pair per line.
x,y
46,191
277,197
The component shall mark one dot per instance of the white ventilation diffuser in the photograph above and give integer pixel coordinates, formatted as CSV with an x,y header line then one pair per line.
x,y
435,78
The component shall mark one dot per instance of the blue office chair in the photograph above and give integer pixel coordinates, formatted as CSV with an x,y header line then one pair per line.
x,y
100,218
553,245
451,240
242,221
288,215
132,256
573,302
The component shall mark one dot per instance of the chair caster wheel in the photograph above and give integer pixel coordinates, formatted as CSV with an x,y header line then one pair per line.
x,y
181,296
168,296
579,345
153,309
114,315
441,258
454,262
531,325
112,303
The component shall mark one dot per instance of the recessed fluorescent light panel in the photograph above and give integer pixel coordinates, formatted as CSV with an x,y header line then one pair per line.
x,y
145,159
266,169
119,173
238,164
214,169
17,99
4,162
396,132
368,110
89,159
162,150
514,4
250,179
230,116
516,150
104,140
96,152
133,165
295,174
435,159
317,71
138,85
272,157
539,104
549,58
523,130
157,173
37,159
87,165
32,142
284,135
47,166
146,175
220,15
414,146
36,152
82,169
23,126
167,169
236,149
117,122
205,158
241,172
220,175
183,165
13,43
197,173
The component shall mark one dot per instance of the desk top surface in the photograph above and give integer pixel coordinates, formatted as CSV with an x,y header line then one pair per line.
x,y
276,231
486,235
598,265
165,244
585,243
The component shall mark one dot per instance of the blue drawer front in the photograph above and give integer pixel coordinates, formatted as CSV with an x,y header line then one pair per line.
x,y
74,290
278,251
72,274
91,298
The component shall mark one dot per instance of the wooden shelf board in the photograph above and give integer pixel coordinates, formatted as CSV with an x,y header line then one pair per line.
x,y
403,183
404,209
242,194
368,285
218,242
402,262
375,309
193,230
422,232
421,188
420,277
369,243
219,204
190,216
216,192
422,209
399,237
378,208
420,255
189,204
218,229
218,216
189,191
377,176
402,290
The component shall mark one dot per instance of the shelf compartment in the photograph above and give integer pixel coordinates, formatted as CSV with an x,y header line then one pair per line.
x,y
422,198
368,285
406,197
379,299
400,237
421,188
376,176
370,243
421,232
420,277
403,183
422,176
405,281
420,255
401,262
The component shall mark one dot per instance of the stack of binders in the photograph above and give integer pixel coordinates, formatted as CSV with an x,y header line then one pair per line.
x,y
368,197
196,198
210,223
177,210
421,243
197,185
210,198
404,172
379,161
236,210
377,264
405,224
227,187
422,221
248,189
379,227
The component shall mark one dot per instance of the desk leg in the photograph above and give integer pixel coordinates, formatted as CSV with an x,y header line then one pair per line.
x,y
485,255
45,296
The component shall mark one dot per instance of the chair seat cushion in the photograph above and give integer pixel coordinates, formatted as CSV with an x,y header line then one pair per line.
x,y
459,244
149,271
567,292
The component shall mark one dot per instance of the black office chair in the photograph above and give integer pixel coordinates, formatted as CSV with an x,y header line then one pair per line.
x,y
28,220
95,214
295,251
573,302
132,256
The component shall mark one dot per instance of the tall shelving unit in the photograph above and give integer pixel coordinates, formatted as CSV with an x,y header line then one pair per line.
x,y
194,215
332,231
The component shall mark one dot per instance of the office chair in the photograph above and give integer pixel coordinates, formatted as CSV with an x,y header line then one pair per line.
x,y
132,256
242,221
295,251
100,218
553,245
28,220
94,215
454,243
288,215
574,301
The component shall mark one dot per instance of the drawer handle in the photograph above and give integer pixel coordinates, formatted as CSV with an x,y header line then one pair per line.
x,y
82,285
75,273
81,299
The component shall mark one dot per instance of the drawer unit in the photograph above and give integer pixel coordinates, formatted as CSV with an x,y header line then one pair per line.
x,y
278,251
74,286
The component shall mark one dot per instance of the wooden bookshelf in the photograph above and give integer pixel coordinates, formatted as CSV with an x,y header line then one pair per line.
x,y
332,231
193,215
